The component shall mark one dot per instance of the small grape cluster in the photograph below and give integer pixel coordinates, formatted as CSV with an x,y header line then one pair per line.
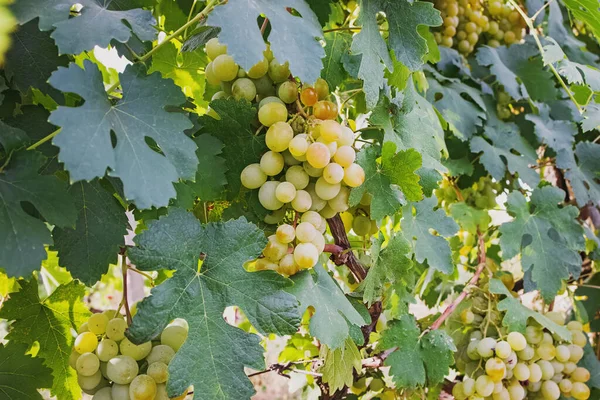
x,y
110,367
536,365
309,167
467,22
358,218
481,194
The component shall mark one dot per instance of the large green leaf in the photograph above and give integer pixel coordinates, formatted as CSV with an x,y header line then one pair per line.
x,y
234,129
559,135
293,38
50,322
419,360
390,181
87,250
215,353
32,58
23,236
548,237
334,314
516,314
586,11
340,364
563,34
21,375
85,139
337,46
417,226
583,174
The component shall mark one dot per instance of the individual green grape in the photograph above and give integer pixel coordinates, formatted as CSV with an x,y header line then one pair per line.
x,y
486,346
361,225
285,192
333,173
516,392
535,373
318,155
547,339
565,385
332,146
107,349
159,371
271,113
340,202
576,353
288,92
558,366
495,369
556,317
214,48
344,156
279,72
243,88
347,138
312,218
579,338
575,326
225,68
142,387
259,69
115,329
312,171
325,190
266,196
458,392
271,163
89,382
175,334
83,328
322,88
252,176
550,390
330,130
103,394
278,136
319,242
546,351
97,324
502,394
122,369
534,334
503,349
580,375
511,360
73,358
527,353
354,175
87,364
317,203
562,353
306,255
546,368
285,233
297,176
580,391
468,386
219,95
120,392
305,232
274,250
302,202
271,99
86,342
569,367
137,352
521,372
299,145
211,77
484,385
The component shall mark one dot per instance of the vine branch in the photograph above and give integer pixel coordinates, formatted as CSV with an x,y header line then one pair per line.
x,y
345,257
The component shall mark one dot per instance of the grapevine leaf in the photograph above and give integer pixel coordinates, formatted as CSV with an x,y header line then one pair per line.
x,y
85,139
183,69
390,264
337,46
549,238
592,299
200,37
23,236
292,37
241,146
571,46
414,125
583,174
173,14
334,314
462,116
586,11
210,179
508,151
339,365
50,322
401,167
558,135
215,353
516,314
322,9
87,250
470,218
11,138
592,117
53,11
32,58
418,361
20,374
427,246
494,58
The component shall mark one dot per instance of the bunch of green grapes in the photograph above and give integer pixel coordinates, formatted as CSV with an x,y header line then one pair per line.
x,y
537,365
358,220
110,367
503,101
467,22
481,194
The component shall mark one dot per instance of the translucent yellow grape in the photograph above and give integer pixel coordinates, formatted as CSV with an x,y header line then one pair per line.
x,y
143,387
302,202
285,233
86,342
161,353
318,155
271,113
354,175
306,255
285,192
214,48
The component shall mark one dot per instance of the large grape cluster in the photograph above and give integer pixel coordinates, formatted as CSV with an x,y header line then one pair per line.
x,y
514,366
309,167
468,22
110,367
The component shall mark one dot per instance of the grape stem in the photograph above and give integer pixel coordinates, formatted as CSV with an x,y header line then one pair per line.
x,y
480,267
377,360
125,301
300,109
44,140
281,368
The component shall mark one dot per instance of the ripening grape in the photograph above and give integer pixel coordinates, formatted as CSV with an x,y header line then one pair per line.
x,y
306,255
285,233
569,367
332,146
97,323
521,371
319,242
278,72
175,334
361,225
325,190
516,392
86,342
278,136
580,391
299,145
275,250
579,338
287,265
325,110
575,326
137,352
486,346
259,69
333,173
565,385
272,112
253,177
313,218
576,353
322,88
484,385
288,92
161,353
225,68
309,96
243,89
331,131
120,392
354,175
302,202
535,373
285,192
214,48
495,369
527,353
580,375
344,156
271,163
533,334
87,364
211,77
143,387
115,329
297,176
468,386
158,371
122,369
270,99
103,394
318,155
458,392
517,341
550,390
107,349
546,351
503,349
340,202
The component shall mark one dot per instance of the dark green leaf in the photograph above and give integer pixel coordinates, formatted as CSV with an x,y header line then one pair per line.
x,y
337,46
199,38
85,139
20,374
583,174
